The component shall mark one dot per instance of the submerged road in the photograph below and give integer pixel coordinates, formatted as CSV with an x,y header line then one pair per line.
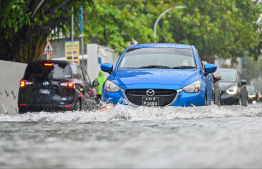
x,y
206,137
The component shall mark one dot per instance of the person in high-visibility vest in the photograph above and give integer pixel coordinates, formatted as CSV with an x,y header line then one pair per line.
x,y
101,79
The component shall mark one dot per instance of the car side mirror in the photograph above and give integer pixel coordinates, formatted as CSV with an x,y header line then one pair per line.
x,y
243,82
217,78
107,67
210,68
95,83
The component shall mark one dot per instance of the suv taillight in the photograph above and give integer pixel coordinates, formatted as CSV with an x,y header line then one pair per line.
x,y
68,84
24,83
48,64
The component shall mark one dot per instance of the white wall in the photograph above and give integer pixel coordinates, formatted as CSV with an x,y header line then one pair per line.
x,y
95,51
11,74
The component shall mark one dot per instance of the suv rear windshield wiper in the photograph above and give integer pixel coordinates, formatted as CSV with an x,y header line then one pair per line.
x,y
183,67
154,66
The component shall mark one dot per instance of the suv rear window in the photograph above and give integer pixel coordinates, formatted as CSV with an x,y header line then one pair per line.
x,y
55,72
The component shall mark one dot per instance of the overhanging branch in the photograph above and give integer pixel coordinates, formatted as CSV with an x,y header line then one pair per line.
x,y
36,9
59,6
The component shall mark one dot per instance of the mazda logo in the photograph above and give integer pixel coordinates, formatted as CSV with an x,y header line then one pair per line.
x,y
45,83
150,92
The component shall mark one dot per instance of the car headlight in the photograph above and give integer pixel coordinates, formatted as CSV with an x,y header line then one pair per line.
x,y
193,87
111,87
251,95
232,90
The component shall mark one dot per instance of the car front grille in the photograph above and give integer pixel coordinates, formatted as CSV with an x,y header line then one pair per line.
x,y
165,96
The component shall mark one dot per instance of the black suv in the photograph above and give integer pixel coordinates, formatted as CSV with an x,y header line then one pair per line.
x,y
55,85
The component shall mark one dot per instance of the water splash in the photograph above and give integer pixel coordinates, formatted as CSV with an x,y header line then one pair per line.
x,y
121,112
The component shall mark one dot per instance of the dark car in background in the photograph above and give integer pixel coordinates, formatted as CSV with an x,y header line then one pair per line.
x,y
55,85
253,94
233,88
259,96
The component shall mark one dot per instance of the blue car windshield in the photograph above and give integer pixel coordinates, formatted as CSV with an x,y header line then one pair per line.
x,y
175,58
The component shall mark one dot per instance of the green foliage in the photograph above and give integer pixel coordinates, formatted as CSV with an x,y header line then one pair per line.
x,y
119,23
225,28
26,24
252,69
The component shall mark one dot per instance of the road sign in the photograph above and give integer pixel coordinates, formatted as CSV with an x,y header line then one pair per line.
x,y
48,50
72,51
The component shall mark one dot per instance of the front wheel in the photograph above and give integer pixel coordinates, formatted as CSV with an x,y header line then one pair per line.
x,y
78,106
22,110
244,102
240,101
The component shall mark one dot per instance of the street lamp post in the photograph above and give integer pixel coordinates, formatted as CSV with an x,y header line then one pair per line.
x,y
163,14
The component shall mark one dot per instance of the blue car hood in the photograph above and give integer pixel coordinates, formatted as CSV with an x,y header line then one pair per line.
x,y
179,77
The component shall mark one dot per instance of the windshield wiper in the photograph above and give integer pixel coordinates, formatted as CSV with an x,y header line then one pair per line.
x,y
155,66
183,67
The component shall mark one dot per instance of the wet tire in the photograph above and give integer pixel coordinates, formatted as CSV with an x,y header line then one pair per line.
x,y
219,102
22,110
78,106
246,103
240,101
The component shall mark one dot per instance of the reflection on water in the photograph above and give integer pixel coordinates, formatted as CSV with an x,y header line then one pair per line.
x,y
227,136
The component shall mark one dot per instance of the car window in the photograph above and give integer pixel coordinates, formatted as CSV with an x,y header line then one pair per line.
x,y
170,57
86,77
238,77
201,63
250,88
226,75
77,72
51,71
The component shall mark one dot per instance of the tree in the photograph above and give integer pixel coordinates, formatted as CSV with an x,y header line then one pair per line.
x,y
252,68
26,24
225,28
119,23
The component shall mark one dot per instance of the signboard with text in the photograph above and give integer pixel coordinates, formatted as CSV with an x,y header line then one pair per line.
x,y
72,51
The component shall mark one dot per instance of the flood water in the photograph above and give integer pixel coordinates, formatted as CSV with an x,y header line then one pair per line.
x,y
126,137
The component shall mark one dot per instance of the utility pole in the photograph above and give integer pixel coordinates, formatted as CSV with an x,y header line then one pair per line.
x,y
82,34
163,14
72,25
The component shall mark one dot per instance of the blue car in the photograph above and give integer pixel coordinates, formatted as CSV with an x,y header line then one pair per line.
x,y
157,75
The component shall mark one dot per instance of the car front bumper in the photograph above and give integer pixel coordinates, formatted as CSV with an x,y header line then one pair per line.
x,y
229,99
182,99
47,107
252,98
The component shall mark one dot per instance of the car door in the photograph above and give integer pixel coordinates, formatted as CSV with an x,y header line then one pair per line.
x,y
206,80
78,77
87,84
